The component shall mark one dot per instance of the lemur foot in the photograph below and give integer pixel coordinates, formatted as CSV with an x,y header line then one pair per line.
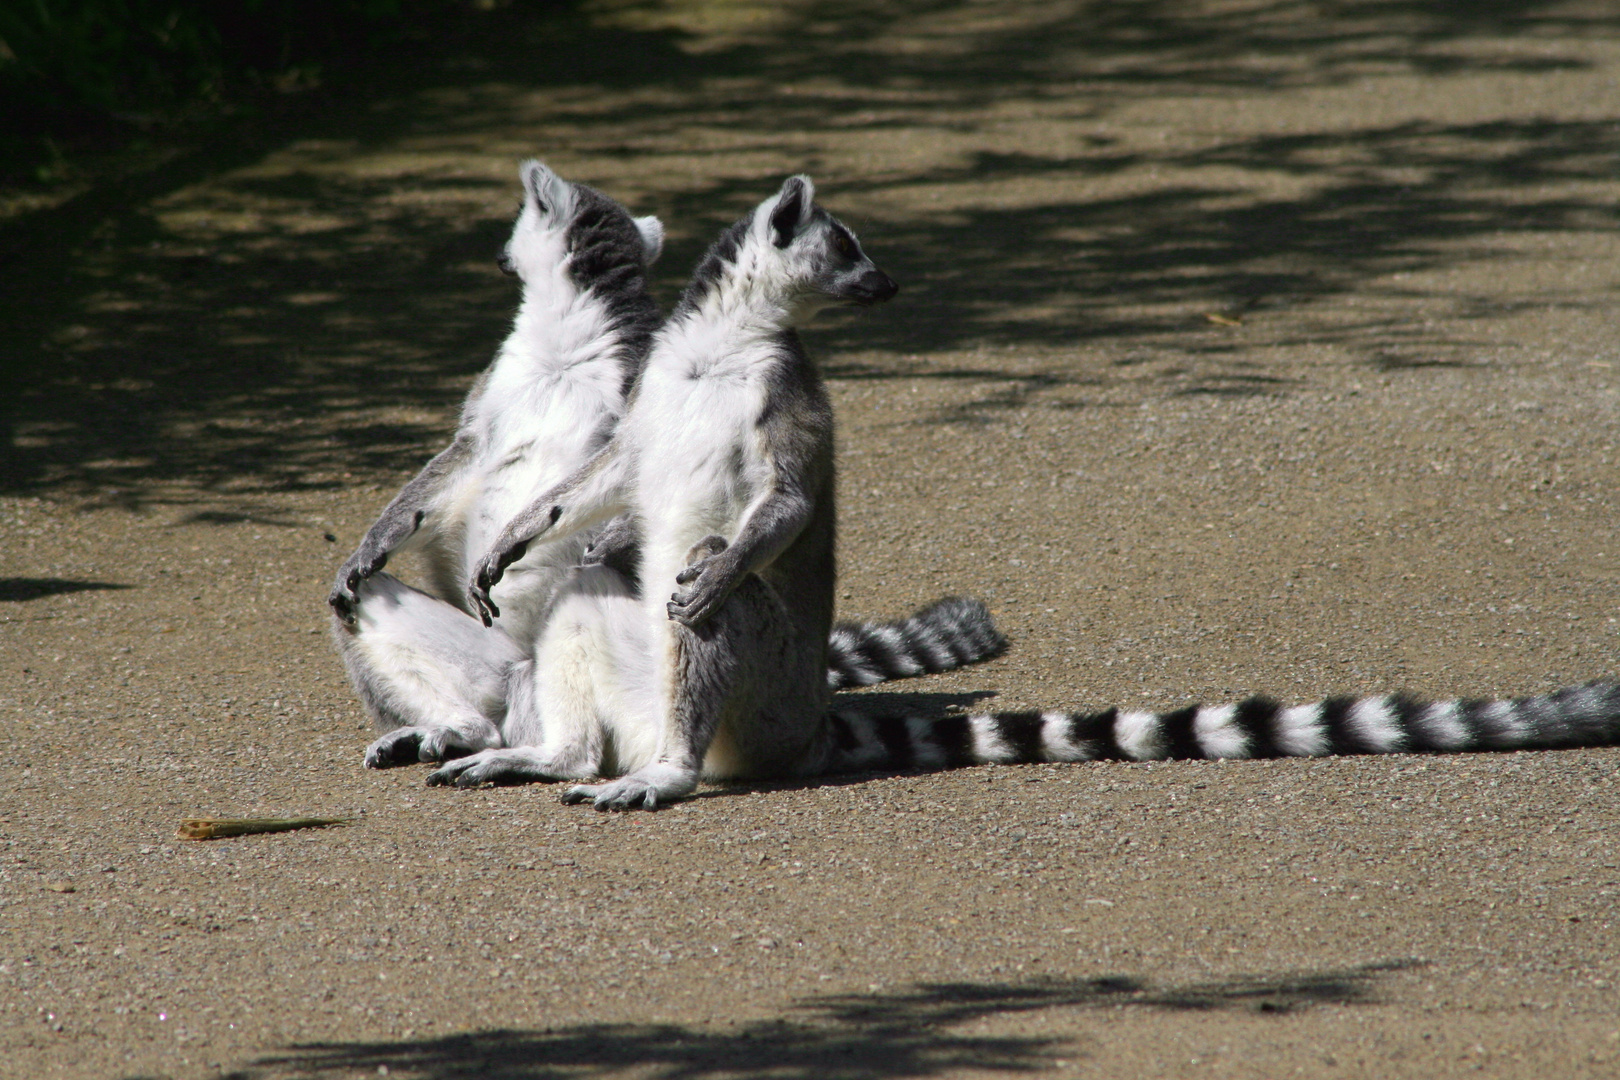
x,y
408,745
645,789
503,766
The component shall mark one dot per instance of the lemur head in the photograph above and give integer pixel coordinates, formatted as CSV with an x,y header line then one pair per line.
x,y
820,260
790,255
568,224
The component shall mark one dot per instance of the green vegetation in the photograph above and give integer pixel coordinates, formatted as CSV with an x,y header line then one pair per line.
x,y
76,68
116,55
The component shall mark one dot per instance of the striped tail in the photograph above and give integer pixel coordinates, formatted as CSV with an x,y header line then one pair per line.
x,y
1257,728
948,633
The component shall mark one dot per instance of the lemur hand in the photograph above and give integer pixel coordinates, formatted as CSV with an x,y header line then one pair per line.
x,y
367,560
712,578
487,575
619,538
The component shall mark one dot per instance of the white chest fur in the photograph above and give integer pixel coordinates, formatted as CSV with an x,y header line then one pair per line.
x,y
554,393
694,431
551,400
695,435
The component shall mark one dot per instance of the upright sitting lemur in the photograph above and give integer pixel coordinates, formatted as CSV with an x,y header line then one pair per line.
x,y
724,460
435,681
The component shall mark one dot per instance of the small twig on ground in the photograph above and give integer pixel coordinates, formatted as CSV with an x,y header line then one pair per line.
x,y
217,828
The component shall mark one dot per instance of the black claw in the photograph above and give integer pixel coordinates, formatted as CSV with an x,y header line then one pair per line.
x,y
483,605
402,751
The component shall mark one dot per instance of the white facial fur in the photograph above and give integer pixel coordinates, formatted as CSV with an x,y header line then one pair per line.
x,y
539,240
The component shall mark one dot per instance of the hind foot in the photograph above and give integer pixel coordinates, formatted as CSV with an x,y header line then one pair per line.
x,y
645,789
408,745
516,766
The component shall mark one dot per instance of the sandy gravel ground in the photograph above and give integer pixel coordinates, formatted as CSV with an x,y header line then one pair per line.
x,y
1243,346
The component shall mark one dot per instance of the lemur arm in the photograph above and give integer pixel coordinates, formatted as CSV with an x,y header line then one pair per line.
x,y
595,492
770,527
399,521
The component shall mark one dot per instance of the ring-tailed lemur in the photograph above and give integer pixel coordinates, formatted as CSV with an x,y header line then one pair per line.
x,y
725,682
433,680
725,460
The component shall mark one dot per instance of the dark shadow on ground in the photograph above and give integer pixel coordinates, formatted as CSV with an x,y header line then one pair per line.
x,y
327,340
906,1033
239,517
18,589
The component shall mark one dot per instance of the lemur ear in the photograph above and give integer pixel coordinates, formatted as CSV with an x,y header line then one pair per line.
x,y
548,191
792,209
652,238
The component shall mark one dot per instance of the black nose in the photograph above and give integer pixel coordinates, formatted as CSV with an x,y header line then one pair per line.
x,y
876,287
504,261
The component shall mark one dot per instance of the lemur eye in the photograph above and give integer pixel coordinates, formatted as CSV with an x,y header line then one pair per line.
x,y
845,246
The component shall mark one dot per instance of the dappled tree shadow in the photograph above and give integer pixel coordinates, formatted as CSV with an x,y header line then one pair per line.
x,y
1149,47
305,330
905,1033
